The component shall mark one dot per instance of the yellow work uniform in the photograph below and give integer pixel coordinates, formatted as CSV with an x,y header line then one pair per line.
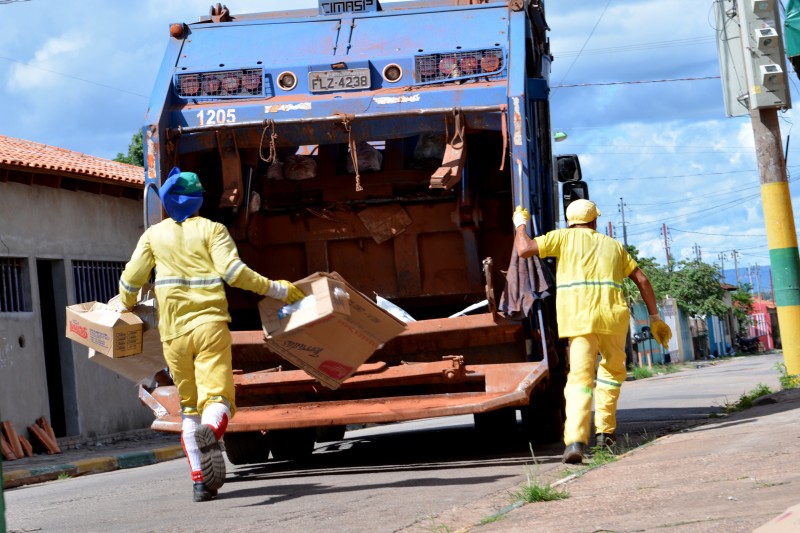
x,y
592,312
193,259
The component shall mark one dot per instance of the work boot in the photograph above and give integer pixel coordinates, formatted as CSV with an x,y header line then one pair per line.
x,y
212,464
605,440
201,493
573,454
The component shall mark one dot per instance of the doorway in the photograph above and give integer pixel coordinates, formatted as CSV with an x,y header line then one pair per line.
x,y
59,368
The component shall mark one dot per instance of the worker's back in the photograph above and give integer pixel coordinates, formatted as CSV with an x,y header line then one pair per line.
x,y
590,271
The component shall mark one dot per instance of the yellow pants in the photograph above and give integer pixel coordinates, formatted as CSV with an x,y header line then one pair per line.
x,y
200,362
578,392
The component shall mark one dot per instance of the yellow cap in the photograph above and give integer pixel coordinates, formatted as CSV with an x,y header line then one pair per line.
x,y
581,212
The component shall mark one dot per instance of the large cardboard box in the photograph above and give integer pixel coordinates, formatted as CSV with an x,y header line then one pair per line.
x,y
100,327
334,332
139,368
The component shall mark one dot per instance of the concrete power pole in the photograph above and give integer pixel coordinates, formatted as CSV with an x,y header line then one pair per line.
x,y
755,81
624,228
666,242
736,266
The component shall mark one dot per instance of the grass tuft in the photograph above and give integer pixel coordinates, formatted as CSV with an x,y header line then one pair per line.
x,y
787,381
745,401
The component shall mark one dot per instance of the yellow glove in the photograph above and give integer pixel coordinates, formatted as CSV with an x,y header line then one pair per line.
x,y
521,216
284,290
661,332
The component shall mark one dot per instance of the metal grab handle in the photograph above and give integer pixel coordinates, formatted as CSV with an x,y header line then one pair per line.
x,y
146,208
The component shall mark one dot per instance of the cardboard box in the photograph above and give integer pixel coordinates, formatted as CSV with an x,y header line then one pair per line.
x,y
143,366
103,329
334,333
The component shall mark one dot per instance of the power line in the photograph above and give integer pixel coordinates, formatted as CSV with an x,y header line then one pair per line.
x,y
635,82
586,41
71,76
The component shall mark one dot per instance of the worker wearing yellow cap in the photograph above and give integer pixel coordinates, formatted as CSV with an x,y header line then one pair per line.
x,y
592,313
194,257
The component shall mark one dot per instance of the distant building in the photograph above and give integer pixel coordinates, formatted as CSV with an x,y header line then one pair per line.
x,y
69,223
764,324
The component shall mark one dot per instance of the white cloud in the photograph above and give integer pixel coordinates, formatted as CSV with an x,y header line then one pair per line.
x,y
53,55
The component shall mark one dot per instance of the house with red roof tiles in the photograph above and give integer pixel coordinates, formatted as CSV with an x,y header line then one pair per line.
x,y
68,224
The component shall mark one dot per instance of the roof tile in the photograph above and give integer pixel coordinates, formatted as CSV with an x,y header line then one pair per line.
x,y
21,153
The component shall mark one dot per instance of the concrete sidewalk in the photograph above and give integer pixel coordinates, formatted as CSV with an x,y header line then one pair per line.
x,y
732,474
144,448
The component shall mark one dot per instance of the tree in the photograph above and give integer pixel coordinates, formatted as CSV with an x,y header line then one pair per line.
x,y
742,305
696,288
656,274
135,152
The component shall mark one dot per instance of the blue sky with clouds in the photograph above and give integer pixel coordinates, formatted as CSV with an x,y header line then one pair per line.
x,y
78,75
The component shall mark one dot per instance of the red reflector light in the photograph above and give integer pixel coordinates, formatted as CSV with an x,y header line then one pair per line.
x,y
490,62
252,82
190,85
230,83
210,85
448,65
469,64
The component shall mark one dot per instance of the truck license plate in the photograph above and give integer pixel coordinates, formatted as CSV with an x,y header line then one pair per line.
x,y
338,80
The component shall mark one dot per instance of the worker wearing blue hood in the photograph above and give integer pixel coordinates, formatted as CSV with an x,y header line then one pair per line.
x,y
195,257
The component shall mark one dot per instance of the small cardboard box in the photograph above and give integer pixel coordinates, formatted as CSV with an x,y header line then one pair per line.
x,y
334,332
143,366
101,328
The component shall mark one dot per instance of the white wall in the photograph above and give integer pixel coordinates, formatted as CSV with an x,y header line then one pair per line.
x,y
38,222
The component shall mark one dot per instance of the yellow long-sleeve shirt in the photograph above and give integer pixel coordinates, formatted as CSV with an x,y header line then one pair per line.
x,y
590,272
192,260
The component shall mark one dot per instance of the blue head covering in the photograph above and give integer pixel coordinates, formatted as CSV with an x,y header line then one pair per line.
x,y
181,194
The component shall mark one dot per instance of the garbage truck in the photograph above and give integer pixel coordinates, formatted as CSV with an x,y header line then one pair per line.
x,y
388,143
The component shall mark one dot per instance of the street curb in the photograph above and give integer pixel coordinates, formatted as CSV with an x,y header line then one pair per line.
x,y
17,478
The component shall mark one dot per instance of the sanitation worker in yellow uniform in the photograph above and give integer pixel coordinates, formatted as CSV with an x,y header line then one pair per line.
x,y
592,313
193,256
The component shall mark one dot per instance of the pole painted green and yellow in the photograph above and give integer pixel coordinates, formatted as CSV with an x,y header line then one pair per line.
x,y
781,232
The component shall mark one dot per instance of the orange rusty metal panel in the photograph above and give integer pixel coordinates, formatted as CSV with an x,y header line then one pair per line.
x,y
510,384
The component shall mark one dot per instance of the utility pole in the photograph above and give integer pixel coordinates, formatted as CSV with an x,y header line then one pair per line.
x,y
758,280
624,228
698,255
736,266
721,257
761,88
666,242
610,230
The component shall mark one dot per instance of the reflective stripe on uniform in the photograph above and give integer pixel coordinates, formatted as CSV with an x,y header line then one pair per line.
x,y
233,272
188,282
588,283
609,383
580,388
129,288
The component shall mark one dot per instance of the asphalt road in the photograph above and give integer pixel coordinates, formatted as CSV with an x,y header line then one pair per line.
x,y
431,475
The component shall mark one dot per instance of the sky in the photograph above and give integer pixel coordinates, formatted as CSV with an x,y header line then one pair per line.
x,y
635,85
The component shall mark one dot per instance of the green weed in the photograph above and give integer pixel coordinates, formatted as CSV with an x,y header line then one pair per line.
x,y
601,455
787,381
535,490
642,372
746,400
64,475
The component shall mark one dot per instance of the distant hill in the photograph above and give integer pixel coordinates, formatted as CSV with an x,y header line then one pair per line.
x,y
759,278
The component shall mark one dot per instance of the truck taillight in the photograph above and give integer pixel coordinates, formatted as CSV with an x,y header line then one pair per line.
x,y
491,62
228,83
189,85
469,64
210,85
447,66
